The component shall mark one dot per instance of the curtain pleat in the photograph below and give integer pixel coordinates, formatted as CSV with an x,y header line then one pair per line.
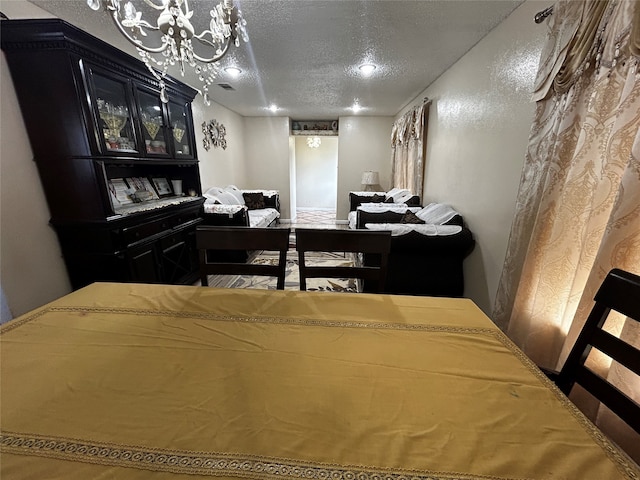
x,y
407,143
578,205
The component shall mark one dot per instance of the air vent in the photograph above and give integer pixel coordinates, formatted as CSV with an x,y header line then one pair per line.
x,y
226,86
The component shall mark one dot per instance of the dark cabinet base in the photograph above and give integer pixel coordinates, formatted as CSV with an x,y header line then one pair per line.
x,y
148,248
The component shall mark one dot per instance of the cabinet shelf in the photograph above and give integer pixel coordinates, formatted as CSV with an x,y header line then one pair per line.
x,y
129,209
314,133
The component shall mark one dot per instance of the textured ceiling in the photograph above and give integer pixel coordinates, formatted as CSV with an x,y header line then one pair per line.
x,y
303,55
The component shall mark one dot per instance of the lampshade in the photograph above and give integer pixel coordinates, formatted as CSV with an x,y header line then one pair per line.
x,y
371,181
370,178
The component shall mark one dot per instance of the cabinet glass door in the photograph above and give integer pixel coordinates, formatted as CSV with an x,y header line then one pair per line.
x,y
114,116
153,125
180,128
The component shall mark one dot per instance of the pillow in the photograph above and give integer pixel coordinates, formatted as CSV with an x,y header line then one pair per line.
x,y
397,193
212,200
403,197
254,201
236,194
389,200
212,192
436,213
410,217
227,198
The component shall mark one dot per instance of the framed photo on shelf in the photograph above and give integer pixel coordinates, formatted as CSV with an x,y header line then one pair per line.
x,y
119,191
142,183
162,186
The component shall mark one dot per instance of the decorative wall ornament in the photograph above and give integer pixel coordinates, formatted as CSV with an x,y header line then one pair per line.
x,y
214,134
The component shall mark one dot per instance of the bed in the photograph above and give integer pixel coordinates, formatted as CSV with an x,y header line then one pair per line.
x,y
179,382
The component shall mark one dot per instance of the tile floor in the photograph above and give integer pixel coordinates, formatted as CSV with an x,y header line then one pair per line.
x,y
316,219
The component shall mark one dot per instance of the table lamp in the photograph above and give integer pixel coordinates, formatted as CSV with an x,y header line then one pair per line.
x,y
371,182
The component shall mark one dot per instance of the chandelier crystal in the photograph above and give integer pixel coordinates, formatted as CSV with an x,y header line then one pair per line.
x,y
178,36
313,142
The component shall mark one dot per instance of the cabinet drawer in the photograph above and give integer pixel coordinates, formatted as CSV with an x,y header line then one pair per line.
x,y
183,218
168,242
131,235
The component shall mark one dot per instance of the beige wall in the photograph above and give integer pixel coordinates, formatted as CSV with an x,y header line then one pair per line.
x,y
267,157
364,143
479,125
220,167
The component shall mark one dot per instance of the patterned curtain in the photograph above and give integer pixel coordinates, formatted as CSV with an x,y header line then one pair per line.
x,y
578,206
407,143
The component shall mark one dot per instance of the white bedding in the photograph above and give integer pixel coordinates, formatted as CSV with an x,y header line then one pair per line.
x,y
380,207
262,217
398,229
210,207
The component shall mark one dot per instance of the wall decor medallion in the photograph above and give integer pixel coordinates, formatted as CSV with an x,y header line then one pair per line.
x,y
214,134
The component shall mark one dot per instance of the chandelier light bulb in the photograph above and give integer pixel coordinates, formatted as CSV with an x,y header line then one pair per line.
x,y
178,36
314,142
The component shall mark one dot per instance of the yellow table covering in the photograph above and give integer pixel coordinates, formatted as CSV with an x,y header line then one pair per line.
x,y
123,381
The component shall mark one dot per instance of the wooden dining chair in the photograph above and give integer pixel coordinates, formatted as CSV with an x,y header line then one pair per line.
x,y
212,239
353,241
620,292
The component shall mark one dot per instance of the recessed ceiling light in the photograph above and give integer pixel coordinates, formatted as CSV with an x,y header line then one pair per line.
x,y
367,69
273,108
233,71
355,108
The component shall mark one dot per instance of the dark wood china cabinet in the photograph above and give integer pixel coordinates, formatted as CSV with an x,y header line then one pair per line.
x,y
118,166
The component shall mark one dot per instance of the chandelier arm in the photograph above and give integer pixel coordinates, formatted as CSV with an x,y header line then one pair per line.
x,y
215,58
137,43
153,5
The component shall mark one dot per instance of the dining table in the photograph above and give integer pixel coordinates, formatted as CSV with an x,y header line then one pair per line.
x,y
137,381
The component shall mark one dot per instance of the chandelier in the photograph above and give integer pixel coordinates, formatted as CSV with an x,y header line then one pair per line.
x,y
313,142
178,37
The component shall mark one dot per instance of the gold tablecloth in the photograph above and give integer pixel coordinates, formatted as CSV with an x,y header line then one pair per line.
x,y
147,381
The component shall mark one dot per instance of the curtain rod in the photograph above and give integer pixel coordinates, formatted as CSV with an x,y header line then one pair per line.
x,y
540,16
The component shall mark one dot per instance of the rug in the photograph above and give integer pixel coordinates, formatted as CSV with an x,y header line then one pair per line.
x,y
292,276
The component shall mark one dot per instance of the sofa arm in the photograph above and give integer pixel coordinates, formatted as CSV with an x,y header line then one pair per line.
x,y
413,201
272,201
356,200
237,219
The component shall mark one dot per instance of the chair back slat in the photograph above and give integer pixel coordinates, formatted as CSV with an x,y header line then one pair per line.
x,y
211,238
352,241
623,405
620,292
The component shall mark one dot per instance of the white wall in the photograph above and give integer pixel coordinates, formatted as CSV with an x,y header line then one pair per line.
x,y
220,167
479,125
267,157
317,173
364,143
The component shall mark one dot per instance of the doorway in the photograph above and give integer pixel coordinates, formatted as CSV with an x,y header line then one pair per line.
x,y
316,180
